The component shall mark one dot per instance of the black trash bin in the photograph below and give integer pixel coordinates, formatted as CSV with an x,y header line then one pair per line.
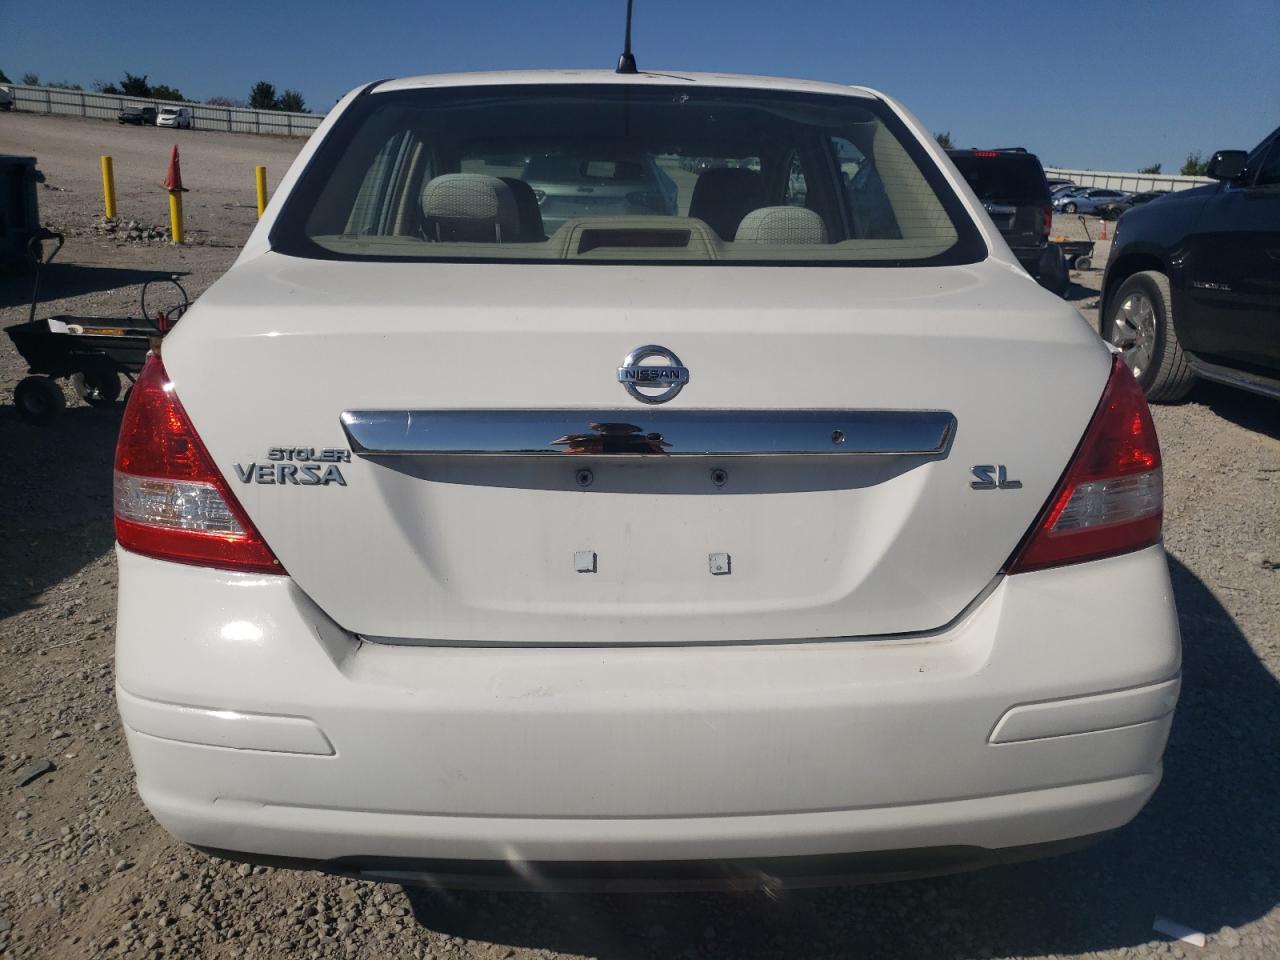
x,y
19,210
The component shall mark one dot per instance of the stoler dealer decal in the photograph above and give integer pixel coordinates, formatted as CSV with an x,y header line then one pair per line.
x,y
301,466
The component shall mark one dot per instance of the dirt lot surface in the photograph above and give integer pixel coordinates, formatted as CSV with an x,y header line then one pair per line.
x,y
85,872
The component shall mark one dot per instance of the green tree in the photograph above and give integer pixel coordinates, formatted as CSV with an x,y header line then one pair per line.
x,y
224,102
31,79
291,100
263,96
1154,168
63,85
4,78
1196,165
164,92
944,139
103,87
133,86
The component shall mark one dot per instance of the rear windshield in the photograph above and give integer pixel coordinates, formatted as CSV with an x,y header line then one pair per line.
x,y
1016,179
624,174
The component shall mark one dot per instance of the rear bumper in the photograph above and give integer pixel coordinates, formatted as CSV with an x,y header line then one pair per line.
x,y
639,876
258,726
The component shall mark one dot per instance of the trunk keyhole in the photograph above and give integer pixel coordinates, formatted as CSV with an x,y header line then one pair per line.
x,y
584,477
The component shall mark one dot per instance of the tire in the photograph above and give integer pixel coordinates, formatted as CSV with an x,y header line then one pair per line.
x,y
39,400
1068,208
97,388
1084,263
1162,369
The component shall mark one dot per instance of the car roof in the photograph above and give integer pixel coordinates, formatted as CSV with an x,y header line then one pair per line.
x,y
677,78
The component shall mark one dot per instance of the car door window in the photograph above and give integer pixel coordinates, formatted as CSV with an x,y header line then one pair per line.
x,y
1269,172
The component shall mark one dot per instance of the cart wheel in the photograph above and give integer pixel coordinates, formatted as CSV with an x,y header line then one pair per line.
x,y
98,388
39,400
1084,263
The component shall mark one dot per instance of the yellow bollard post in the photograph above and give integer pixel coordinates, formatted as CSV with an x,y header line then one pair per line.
x,y
108,188
173,183
260,174
175,216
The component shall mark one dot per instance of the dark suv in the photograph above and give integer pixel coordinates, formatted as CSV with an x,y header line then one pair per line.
x,y
138,116
1192,287
1011,184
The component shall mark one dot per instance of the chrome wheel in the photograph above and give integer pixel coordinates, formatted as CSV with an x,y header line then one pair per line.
x,y
1134,331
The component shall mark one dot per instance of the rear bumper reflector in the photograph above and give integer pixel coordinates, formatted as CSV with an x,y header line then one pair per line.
x,y
1073,715
648,433
232,729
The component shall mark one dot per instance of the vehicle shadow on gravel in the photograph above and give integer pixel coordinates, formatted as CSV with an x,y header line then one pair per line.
x,y
1247,410
62,280
1205,853
55,498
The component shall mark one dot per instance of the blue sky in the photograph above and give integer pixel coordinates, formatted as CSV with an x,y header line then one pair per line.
x,y
1107,85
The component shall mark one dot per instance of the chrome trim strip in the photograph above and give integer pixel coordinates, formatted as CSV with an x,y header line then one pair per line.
x,y
648,433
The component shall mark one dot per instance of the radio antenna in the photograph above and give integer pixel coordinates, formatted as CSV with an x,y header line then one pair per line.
x,y
627,62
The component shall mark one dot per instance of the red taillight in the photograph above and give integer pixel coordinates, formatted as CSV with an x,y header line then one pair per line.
x,y
170,500
1111,499
985,153
1048,220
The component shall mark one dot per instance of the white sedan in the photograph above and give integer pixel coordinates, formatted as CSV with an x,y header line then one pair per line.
x,y
759,539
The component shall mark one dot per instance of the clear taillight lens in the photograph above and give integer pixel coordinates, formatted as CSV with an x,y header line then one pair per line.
x,y
1104,502
174,504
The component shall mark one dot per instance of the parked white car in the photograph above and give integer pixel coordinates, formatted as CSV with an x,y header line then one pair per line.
x,y
746,540
174,117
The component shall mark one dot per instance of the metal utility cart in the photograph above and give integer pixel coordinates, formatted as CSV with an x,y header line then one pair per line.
x,y
1078,253
92,351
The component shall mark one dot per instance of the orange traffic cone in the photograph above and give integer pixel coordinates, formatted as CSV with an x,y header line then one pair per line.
x,y
173,178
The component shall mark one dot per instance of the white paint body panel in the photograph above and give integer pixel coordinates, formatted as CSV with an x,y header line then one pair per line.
x,y
473,552
646,752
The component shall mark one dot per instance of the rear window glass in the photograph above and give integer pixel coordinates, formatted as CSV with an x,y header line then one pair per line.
x,y
623,174
1007,178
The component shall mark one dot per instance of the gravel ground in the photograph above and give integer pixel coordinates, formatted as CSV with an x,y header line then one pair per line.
x,y
85,872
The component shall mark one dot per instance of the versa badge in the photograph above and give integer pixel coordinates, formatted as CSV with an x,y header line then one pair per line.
x,y
301,466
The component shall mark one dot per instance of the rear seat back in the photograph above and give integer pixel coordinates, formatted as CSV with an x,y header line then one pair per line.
x,y
723,196
782,225
470,208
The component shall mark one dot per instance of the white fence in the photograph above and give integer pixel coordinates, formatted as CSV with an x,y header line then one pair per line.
x,y
105,106
1136,182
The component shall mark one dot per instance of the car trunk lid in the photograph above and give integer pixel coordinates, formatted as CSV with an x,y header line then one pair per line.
x,y
813,479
